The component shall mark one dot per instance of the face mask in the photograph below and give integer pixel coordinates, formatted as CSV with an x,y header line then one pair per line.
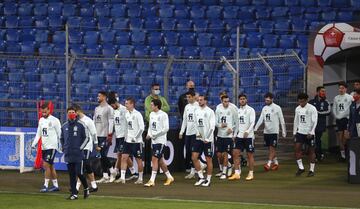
x,y
117,99
156,92
191,89
72,116
322,95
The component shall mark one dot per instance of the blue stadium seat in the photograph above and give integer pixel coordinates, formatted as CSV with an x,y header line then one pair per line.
x,y
12,21
91,37
197,12
312,14
175,51
227,52
263,13
112,79
56,22
279,12
299,27
122,38
328,16
275,2
214,12
166,11
138,37
27,47
125,51
187,39
323,3
108,49
201,25
233,39
10,9
287,41
345,16
93,49
48,78
275,51
231,12
266,26
246,15
25,9
254,40
107,36
204,39
250,27
40,10
102,11
118,10
184,25
134,11
59,37
121,24
86,10
74,21
41,23
104,23
13,35
155,38
75,36
259,2
168,23
136,23
282,27
150,11
270,41
157,51
296,12
141,51
181,11
191,52
307,3
15,77
216,26
232,24
171,38
355,4
152,23
55,9
97,79
69,10
89,23
13,47
339,3
77,49
207,52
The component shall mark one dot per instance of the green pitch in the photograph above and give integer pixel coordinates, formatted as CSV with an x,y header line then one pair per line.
x,y
280,189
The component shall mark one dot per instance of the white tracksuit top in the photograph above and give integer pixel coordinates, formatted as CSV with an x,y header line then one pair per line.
x,y
135,127
205,124
188,121
49,129
120,125
246,122
272,116
341,106
305,120
158,127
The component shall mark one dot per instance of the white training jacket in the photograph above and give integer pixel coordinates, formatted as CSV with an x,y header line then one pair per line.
x,y
205,124
120,125
188,121
90,131
49,129
158,127
135,127
246,122
229,117
341,106
272,116
305,120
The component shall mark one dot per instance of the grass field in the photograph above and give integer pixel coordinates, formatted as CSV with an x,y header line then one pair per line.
x,y
280,189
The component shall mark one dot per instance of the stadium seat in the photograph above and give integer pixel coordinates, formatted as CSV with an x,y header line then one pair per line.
x,y
171,38
122,38
168,23
55,9
175,51
266,26
231,12
59,37
204,39
77,49
25,9
254,40
86,10
197,12
187,39
155,38
282,27
120,24
200,25
56,22
75,36
287,41
40,10
263,13
104,23
181,12
152,23
27,47
12,35
107,36
89,23
12,21
69,10
345,16
91,37
141,51
108,49
207,52
102,11
136,23
191,52
307,3
138,37
214,12
275,2
323,3
93,49
166,11
270,41
10,9
279,13
125,51
184,25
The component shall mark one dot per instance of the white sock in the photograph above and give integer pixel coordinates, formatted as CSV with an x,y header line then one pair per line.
x,y
122,174
55,183
251,172
238,171
153,176
221,168
201,175
168,175
342,153
312,167
93,184
300,164
141,175
132,170
269,163
78,184
105,175
192,170
229,164
46,183
224,170
208,177
202,164
276,161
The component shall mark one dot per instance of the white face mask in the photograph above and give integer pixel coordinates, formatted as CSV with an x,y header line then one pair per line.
x,y
117,99
156,92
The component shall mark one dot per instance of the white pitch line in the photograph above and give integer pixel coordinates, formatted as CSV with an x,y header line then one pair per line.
x,y
178,200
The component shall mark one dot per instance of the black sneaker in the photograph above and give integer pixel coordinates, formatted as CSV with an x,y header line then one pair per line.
x,y
299,172
132,176
86,193
91,190
311,174
72,197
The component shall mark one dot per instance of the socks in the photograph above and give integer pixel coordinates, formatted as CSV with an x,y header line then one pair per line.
x,y
342,152
221,167
208,177
201,175
168,175
238,171
229,164
192,170
78,184
300,164
224,170
141,175
46,183
312,167
153,176
132,170
269,163
93,184
122,175
55,183
105,175
251,172
276,162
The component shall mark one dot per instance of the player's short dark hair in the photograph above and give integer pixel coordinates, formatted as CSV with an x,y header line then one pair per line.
x,y
269,95
131,99
242,95
77,107
155,84
205,97
112,100
191,93
224,97
103,93
70,108
319,88
157,103
302,96
45,105
342,83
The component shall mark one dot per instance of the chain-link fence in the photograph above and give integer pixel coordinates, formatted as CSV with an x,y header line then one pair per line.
x,y
27,79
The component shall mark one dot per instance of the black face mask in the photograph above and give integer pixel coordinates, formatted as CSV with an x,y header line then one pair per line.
x,y
191,89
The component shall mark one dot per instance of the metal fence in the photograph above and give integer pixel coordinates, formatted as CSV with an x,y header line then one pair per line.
x,y
27,79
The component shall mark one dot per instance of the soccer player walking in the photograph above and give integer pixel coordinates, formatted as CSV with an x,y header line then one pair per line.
x,y
133,145
205,126
272,116
90,130
226,118
245,138
104,123
158,128
341,110
305,122
74,140
49,129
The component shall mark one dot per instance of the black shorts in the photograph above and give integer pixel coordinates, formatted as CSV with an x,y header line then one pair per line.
x,y
157,150
200,146
133,149
342,124
244,144
119,145
302,139
48,155
87,154
270,140
223,145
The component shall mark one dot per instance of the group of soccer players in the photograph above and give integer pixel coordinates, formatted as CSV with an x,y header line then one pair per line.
x,y
235,133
